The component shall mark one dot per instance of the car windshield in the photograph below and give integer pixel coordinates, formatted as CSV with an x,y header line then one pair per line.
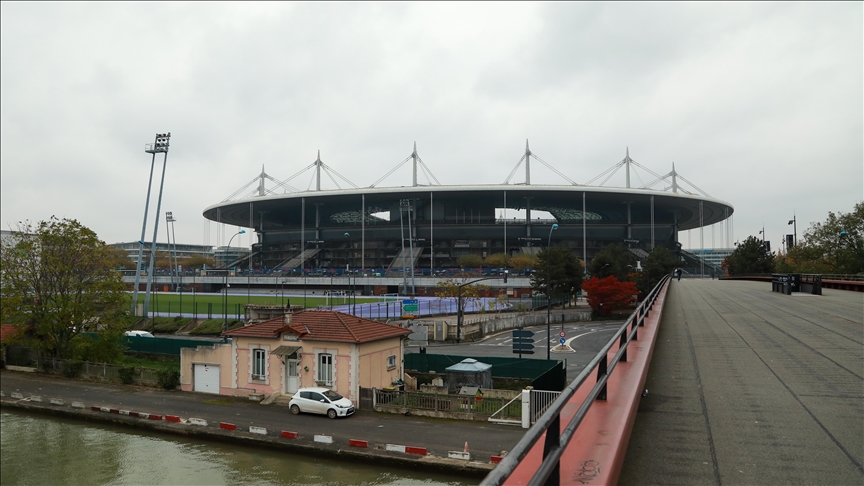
x,y
333,396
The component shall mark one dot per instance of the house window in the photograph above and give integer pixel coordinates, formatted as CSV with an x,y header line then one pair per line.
x,y
259,364
391,361
325,368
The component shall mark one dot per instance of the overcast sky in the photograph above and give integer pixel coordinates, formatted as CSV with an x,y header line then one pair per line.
x,y
758,104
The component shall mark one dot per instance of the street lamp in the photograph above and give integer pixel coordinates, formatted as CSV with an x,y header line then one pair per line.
x,y
794,223
353,292
225,306
601,270
548,291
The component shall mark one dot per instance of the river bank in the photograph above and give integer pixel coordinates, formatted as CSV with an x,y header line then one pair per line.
x,y
366,436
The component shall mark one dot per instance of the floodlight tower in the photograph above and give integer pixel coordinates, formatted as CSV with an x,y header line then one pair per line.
x,y
172,243
143,234
159,146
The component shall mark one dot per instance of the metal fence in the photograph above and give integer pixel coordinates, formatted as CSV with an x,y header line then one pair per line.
x,y
27,357
545,374
396,399
157,345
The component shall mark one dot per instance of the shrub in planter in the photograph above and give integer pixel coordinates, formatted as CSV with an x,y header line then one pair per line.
x,y
169,379
127,375
72,368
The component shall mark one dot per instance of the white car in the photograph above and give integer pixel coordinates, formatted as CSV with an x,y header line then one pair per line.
x,y
320,400
139,334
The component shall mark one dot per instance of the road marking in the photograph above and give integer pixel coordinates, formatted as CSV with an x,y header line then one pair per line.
x,y
585,334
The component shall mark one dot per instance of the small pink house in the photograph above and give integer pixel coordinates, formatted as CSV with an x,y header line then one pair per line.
x,y
309,348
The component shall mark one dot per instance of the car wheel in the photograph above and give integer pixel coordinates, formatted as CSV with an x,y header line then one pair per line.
x,y
295,409
331,413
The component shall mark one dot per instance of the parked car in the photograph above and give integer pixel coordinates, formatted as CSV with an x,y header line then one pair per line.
x,y
139,334
320,400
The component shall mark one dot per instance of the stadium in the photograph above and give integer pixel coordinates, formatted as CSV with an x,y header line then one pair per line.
x,y
429,227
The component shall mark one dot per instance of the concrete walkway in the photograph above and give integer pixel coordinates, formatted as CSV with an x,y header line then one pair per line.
x,y
752,387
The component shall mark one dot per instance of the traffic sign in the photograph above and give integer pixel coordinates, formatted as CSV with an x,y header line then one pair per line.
x,y
523,342
410,308
562,340
562,333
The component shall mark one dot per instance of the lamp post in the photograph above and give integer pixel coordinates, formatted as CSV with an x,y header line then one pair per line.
x,y
601,270
225,307
353,292
548,291
794,223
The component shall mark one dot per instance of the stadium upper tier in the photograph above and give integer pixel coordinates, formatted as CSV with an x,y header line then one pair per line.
x,y
445,222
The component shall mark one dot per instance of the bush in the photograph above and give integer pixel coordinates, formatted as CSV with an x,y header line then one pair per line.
x,y
127,375
169,379
72,368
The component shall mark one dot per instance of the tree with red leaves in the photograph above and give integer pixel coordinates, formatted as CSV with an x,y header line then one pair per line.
x,y
608,294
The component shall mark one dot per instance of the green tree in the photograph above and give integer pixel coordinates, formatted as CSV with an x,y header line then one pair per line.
x,y
660,262
565,272
59,282
750,257
614,260
120,258
838,242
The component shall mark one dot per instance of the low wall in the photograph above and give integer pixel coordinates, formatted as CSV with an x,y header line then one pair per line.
x,y
506,322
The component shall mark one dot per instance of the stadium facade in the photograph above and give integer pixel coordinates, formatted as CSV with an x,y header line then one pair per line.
x,y
432,226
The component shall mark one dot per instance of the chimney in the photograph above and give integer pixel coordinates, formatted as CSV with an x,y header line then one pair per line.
x,y
288,319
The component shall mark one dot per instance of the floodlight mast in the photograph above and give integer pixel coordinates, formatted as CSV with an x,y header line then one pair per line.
x,y
160,145
143,234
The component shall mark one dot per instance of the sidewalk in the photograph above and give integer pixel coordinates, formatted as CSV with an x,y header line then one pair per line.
x,y
386,436
748,386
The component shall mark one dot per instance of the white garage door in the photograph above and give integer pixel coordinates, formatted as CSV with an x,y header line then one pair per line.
x,y
206,378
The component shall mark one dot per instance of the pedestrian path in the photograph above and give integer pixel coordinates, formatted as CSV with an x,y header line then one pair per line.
x,y
747,386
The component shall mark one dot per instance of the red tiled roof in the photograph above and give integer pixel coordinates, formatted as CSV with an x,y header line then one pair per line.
x,y
323,326
269,329
7,330
340,327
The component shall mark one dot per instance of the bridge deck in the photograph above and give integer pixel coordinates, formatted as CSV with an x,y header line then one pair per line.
x,y
747,386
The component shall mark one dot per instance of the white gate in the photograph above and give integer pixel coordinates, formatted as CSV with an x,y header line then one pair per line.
x,y
205,378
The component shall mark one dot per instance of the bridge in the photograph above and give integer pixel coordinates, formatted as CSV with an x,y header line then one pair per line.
x,y
726,382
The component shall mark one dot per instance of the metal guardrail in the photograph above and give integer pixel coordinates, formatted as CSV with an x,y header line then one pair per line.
x,y
843,276
550,423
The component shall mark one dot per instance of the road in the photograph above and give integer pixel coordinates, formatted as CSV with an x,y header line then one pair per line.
x,y
585,339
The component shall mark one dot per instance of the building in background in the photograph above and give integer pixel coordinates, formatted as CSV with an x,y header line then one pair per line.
x,y
713,256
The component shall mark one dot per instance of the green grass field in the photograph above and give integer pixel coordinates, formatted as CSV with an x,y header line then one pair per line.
x,y
202,304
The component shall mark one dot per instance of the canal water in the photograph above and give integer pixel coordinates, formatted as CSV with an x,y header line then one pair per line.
x,y
41,450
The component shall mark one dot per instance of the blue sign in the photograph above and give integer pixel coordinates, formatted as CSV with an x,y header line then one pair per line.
x,y
561,340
